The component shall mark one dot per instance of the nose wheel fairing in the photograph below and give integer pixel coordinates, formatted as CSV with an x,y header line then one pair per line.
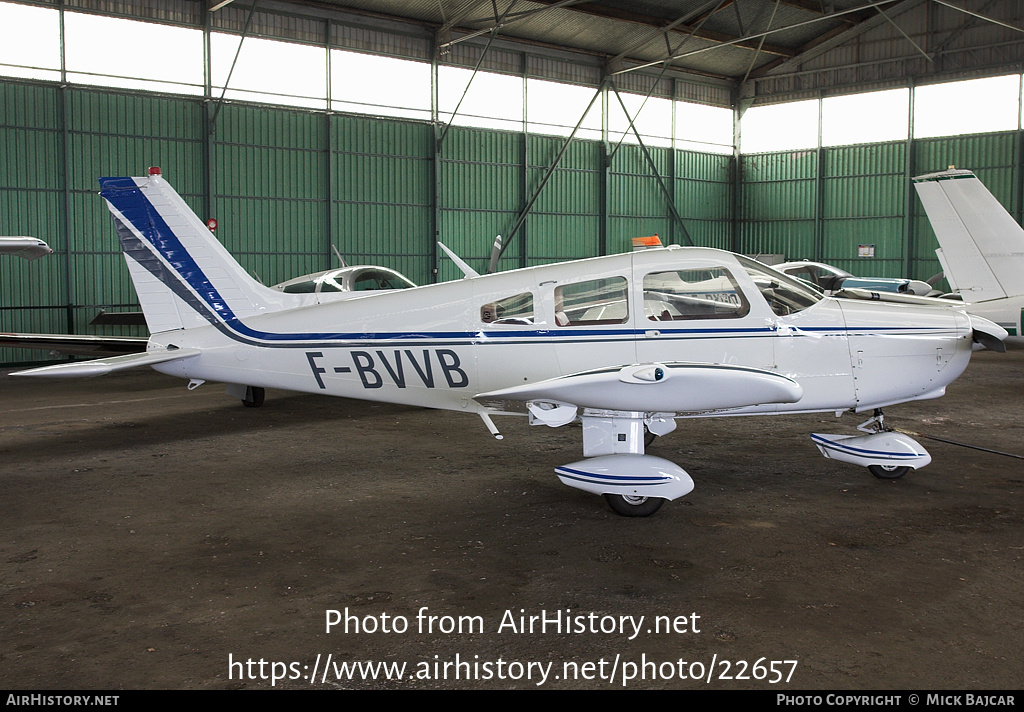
x,y
886,453
884,450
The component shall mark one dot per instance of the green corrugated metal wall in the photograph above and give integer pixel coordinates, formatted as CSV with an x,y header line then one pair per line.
x,y
823,204
287,184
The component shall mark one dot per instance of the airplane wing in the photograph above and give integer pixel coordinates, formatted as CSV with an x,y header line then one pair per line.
x,y
29,248
657,387
76,345
103,366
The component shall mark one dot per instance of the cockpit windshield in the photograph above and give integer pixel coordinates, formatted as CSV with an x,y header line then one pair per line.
x,y
784,294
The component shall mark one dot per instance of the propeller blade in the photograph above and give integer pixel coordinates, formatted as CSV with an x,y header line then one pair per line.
x,y
495,253
988,333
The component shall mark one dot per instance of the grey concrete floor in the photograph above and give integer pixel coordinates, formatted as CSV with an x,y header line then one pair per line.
x,y
152,537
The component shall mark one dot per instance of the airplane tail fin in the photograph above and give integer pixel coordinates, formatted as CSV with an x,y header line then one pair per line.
x,y
183,276
981,246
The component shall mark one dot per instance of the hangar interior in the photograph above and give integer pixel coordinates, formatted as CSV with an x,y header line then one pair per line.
x,y
156,536
598,134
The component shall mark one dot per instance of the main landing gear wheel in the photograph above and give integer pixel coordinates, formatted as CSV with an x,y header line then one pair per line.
x,y
254,397
888,472
649,437
632,506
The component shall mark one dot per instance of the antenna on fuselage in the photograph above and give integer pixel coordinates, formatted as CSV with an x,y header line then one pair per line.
x,y
466,269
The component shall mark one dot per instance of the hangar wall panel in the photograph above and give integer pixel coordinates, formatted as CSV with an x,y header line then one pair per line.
x,y
269,172
33,295
287,184
863,193
479,195
381,205
118,135
996,159
636,204
825,204
703,196
565,222
777,210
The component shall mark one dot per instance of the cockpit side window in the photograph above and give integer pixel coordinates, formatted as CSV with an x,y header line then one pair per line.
x,y
377,279
305,287
328,283
596,301
517,309
707,293
784,294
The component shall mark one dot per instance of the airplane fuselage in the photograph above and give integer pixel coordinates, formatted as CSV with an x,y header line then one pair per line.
x,y
440,345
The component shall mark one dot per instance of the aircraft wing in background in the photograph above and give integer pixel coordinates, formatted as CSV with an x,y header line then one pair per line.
x,y
76,345
29,248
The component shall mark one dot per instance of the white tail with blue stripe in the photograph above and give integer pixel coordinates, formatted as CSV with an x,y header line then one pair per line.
x,y
183,276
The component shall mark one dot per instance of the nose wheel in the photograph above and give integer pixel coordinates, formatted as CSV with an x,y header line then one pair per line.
x,y
633,506
888,472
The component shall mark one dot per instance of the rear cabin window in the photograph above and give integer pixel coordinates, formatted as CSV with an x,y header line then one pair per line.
x,y
511,310
709,293
597,301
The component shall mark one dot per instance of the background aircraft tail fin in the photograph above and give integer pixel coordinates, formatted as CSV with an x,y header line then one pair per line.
x,y
982,246
183,275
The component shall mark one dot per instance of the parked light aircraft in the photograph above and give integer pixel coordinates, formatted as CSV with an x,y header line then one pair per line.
x,y
981,246
832,279
317,288
625,344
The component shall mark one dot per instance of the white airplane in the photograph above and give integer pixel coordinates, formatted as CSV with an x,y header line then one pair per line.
x,y
345,282
624,344
832,279
981,246
29,248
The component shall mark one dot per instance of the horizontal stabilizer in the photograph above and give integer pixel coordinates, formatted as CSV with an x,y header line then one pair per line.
x,y
103,366
663,388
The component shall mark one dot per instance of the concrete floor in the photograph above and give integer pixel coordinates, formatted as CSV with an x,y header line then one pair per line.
x,y
152,537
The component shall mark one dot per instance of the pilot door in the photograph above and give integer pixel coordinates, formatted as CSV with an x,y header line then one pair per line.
x,y
700,312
